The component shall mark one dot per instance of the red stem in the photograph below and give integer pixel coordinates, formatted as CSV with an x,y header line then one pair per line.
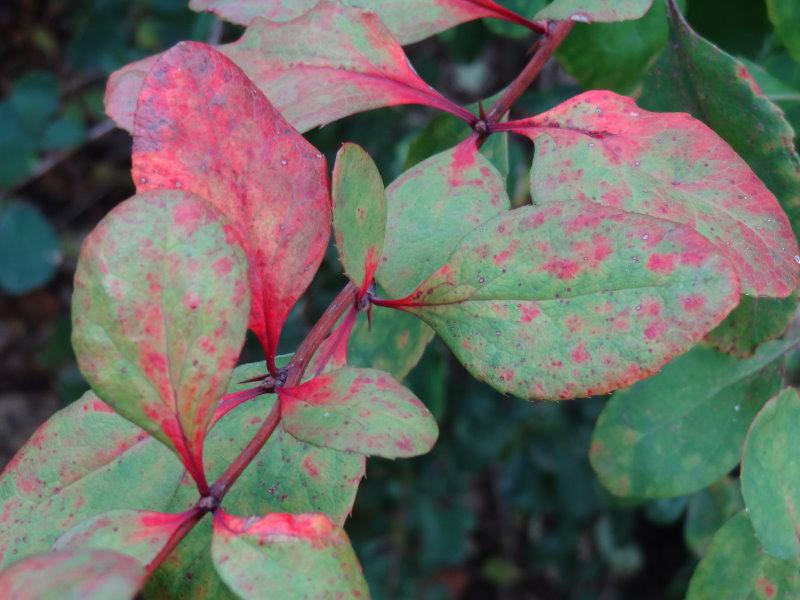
x,y
193,517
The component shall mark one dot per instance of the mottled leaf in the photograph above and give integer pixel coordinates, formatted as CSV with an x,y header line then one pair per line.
x,y
692,75
204,127
785,16
603,148
358,410
431,207
409,20
708,510
594,11
574,299
139,534
359,214
332,62
160,315
681,430
67,575
771,475
735,568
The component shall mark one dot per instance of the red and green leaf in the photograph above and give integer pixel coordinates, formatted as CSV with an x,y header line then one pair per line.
x,y
771,475
332,62
573,299
358,410
160,315
359,214
96,574
603,148
202,126
292,556
594,11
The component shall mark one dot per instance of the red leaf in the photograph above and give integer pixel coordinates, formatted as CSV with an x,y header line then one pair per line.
x,y
202,126
603,148
332,352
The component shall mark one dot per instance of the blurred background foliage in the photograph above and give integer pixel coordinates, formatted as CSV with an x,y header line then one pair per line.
x,y
506,506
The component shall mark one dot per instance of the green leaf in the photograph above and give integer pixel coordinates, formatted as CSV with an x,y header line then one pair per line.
x,y
785,16
29,248
682,429
431,207
97,574
35,99
358,410
160,314
694,76
708,510
573,299
64,132
735,568
753,322
594,11
292,556
771,475
359,213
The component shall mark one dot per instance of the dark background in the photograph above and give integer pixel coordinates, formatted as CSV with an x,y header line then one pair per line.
x,y
506,506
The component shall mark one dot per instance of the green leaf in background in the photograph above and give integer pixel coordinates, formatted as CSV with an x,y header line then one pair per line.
x,y
783,92
160,313
29,248
771,475
359,213
753,322
286,556
17,147
785,16
694,76
708,510
67,575
569,299
594,11
736,568
358,410
35,98
682,429
64,132
431,207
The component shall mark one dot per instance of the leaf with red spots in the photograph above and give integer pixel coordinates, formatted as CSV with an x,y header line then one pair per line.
x,y
735,567
594,11
359,214
160,315
431,207
682,429
771,475
292,556
202,126
139,534
358,410
332,62
603,148
574,299
409,20
96,574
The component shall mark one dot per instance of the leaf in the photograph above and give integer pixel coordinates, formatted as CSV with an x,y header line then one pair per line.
x,y
771,475
358,410
593,11
431,207
694,76
409,20
35,99
785,16
96,574
682,429
708,510
753,322
359,214
139,534
202,126
160,315
332,62
292,556
29,249
84,461
735,568
573,299
601,147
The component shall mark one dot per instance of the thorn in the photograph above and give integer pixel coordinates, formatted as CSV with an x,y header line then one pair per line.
x,y
481,112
